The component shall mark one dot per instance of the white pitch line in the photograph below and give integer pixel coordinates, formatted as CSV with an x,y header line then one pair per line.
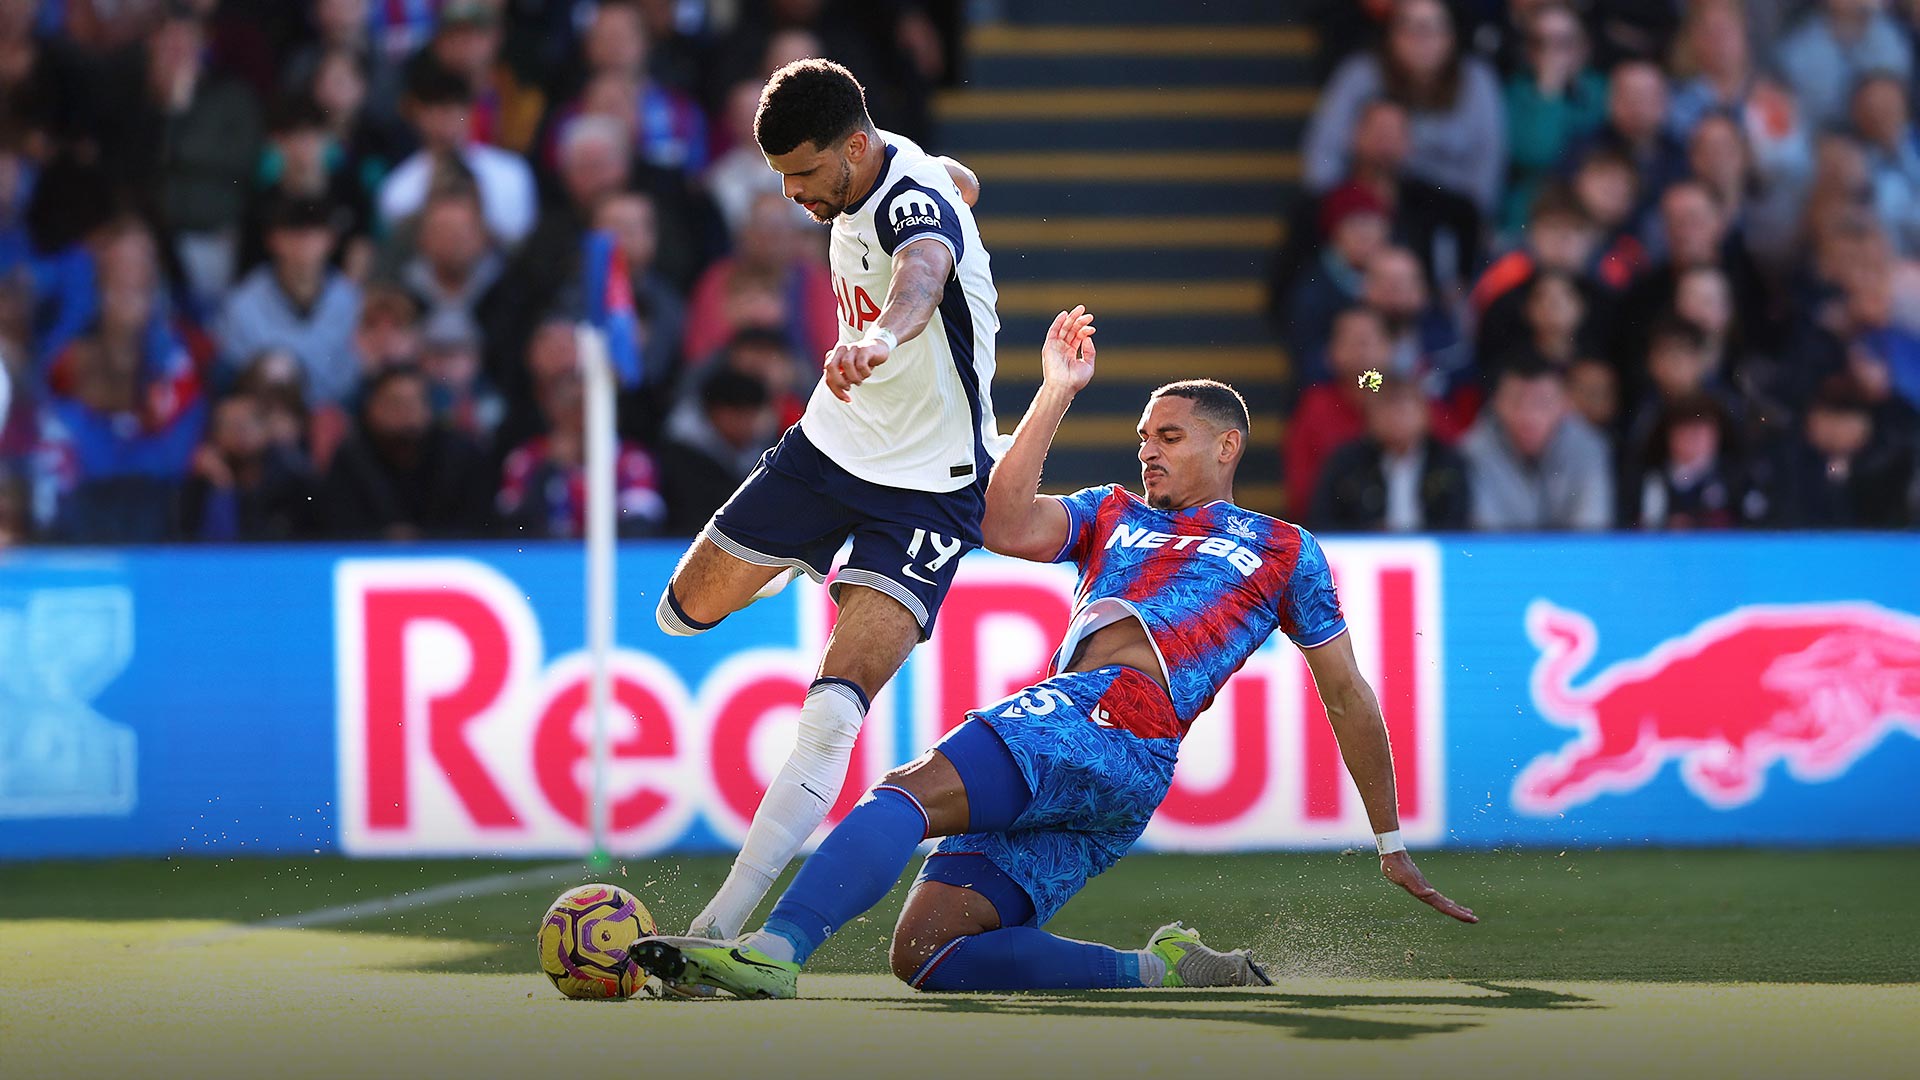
x,y
491,885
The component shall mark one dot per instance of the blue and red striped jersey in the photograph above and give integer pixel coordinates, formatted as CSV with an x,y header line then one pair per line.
x,y
1210,583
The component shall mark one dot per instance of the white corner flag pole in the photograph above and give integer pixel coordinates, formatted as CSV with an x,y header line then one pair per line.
x,y
596,370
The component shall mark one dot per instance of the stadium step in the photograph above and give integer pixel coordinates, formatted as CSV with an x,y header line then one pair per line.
x,y
1134,157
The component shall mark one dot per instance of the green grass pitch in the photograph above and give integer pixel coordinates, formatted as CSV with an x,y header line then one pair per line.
x,y
1639,963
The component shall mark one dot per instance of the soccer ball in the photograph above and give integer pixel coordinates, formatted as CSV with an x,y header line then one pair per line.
x,y
584,941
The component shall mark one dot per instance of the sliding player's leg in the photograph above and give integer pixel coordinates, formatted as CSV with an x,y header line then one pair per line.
x,y
871,638
853,870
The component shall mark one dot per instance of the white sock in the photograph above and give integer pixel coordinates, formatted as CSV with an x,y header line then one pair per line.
x,y
795,804
1153,969
773,945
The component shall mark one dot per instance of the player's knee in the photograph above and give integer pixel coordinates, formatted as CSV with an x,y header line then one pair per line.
x,y
831,717
674,619
912,948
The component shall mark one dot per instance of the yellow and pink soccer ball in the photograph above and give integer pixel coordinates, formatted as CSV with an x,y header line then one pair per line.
x,y
584,940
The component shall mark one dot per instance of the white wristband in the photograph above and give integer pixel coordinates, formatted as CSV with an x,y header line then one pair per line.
x,y
881,333
1389,842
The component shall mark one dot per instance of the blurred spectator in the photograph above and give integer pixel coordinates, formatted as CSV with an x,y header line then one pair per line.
x,y
1712,64
709,450
450,359
44,81
1559,240
1697,235
543,490
1594,390
298,302
438,105
1441,227
772,246
387,334
124,408
1533,463
1556,315
1458,127
1885,127
245,485
788,376
1831,48
400,475
893,49
1331,412
1690,479
368,141
1425,343
666,125
1606,185
1396,478
1762,206
659,314
1353,221
466,41
307,433
300,162
1844,475
454,266
1636,128
343,31
741,174
1682,364
1552,103
183,145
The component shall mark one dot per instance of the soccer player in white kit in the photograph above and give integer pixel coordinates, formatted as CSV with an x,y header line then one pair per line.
x,y
893,450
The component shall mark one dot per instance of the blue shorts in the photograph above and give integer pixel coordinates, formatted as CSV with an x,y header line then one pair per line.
x,y
798,507
1094,785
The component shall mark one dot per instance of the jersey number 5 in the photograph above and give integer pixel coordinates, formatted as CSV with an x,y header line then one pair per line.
x,y
857,309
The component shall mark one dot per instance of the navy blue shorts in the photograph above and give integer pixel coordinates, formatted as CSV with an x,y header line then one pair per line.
x,y
798,507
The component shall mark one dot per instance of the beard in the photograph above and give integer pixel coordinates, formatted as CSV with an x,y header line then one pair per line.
x,y
836,201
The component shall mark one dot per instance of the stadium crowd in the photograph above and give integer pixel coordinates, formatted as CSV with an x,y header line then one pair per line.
x,y
311,269
1641,264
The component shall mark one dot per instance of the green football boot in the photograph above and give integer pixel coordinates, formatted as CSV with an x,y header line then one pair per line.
x,y
1190,963
724,965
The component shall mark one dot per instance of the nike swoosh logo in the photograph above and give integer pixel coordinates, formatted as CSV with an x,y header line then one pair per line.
x,y
809,790
750,962
909,571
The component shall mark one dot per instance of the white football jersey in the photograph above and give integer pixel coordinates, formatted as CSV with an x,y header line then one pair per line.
x,y
924,420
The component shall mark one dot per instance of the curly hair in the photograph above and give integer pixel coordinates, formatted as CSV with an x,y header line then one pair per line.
x,y
809,101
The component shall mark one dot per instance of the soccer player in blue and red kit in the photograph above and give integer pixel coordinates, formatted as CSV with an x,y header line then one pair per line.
x,y
1037,794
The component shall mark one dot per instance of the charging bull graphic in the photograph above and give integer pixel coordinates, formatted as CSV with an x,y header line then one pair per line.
x,y
1812,685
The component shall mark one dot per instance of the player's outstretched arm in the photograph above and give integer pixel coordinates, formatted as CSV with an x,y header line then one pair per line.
x,y
920,272
1361,731
1019,522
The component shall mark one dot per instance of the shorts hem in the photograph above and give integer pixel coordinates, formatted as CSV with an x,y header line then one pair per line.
x,y
853,575
757,558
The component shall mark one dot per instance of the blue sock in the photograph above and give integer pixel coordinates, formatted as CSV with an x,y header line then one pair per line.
x,y
1025,958
852,871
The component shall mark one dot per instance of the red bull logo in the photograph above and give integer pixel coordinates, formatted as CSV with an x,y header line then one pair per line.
x,y
1813,686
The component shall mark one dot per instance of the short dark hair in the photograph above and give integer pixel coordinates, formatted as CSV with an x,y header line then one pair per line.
x,y
732,388
1212,399
1528,366
1557,200
300,212
429,82
809,101
1672,329
758,337
295,112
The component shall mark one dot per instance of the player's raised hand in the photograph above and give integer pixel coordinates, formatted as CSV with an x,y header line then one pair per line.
x,y
1066,357
1398,868
851,364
